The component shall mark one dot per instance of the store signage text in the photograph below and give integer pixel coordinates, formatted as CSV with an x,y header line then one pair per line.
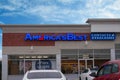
x,y
103,36
56,37
43,64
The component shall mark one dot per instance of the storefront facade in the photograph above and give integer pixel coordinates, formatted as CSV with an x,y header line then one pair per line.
x,y
69,48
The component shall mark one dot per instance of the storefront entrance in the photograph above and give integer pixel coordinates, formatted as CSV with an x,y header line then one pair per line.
x,y
84,64
76,66
69,66
74,61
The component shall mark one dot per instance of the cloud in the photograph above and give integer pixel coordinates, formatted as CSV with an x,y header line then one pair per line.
x,y
103,9
115,5
62,11
10,8
67,1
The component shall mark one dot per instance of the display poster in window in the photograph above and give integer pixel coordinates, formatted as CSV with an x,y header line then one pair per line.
x,y
24,67
43,64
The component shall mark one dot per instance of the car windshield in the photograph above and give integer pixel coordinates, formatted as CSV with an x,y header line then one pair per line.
x,y
37,75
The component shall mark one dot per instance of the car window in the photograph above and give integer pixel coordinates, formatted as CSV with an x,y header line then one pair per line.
x,y
37,75
100,72
115,68
85,71
107,69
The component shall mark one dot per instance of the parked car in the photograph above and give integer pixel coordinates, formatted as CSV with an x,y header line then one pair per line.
x,y
85,75
44,75
108,71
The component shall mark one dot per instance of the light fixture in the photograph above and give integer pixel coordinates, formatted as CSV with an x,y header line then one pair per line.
x,y
33,56
39,56
27,56
21,56
86,42
45,56
31,47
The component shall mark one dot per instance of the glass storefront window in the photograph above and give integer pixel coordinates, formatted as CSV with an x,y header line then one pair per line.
x,y
71,54
117,51
69,63
20,64
117,46
85,53
14,64
13,67
102,54
75,60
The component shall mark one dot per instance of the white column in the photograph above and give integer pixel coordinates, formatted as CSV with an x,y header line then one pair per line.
x,y
4,67
58,61
86,64
112,54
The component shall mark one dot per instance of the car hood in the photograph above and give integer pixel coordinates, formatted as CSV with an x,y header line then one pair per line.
x,y
45,79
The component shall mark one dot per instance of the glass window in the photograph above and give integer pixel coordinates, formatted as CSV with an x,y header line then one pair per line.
x,y
69,62
117,53
100,72
117,50
14,67
117,46
69,54
14,64
28,65
102,53
85,53
115,68
107,69
85,71
20,64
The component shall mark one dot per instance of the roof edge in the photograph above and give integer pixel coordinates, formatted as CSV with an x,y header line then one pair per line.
x,y
43,25
103,20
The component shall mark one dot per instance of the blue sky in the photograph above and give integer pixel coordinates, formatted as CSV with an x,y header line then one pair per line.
x,y
56,11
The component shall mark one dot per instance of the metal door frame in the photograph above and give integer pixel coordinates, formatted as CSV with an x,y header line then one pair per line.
x,y
91,59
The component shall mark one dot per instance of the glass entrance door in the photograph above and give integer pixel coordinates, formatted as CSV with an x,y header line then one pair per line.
x,y
84,64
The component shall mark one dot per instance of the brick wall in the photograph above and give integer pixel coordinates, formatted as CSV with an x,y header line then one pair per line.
x,y
17,39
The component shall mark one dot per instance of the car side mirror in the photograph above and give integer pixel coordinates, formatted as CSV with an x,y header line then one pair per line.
x,y
93,74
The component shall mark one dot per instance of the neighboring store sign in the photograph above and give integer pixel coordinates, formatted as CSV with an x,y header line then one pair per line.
x,y
85,56
43,64
102,36
56,37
